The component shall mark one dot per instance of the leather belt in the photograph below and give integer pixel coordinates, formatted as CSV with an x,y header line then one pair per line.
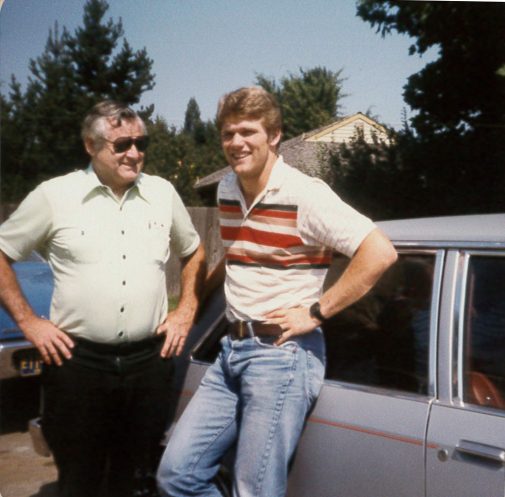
x,y
238,330
124,348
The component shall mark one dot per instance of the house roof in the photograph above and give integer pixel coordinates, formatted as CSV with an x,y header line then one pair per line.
x,y
305,151
331,130
212,179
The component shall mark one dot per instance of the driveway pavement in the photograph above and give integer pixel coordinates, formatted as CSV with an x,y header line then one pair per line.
x,y
23,473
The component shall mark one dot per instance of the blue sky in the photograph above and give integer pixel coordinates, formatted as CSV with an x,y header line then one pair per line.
x,y
204,48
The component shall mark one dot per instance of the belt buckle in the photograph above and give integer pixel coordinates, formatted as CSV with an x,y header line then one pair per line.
x,y
245,330
241,329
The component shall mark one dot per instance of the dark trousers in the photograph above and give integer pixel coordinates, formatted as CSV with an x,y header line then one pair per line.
x,y
104,415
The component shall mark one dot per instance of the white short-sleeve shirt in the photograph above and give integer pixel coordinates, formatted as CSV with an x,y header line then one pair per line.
x,y
108,256
279,249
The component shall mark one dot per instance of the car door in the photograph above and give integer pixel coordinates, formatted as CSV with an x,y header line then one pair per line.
x,y
366,434
467,425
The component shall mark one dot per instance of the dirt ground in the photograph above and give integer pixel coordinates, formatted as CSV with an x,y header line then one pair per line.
x,y
23,473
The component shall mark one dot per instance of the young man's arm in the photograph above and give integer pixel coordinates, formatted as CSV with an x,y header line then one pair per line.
x,y
51,342
372,258
178,322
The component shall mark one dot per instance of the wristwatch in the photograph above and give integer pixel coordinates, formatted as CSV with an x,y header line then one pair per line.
x,y
315,312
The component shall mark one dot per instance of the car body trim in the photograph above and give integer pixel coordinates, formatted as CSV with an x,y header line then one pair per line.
x,y
449,245
367,431
436,299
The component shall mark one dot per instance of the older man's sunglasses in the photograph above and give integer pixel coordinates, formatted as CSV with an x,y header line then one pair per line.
x,y
123,144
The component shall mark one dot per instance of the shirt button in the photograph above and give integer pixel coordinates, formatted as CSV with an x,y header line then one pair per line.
x,y
124,283
122,232
122,309
124,256
121,333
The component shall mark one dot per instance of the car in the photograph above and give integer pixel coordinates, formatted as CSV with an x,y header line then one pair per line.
x,y
413,403
18,357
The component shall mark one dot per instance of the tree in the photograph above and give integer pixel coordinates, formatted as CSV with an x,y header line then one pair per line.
x,y
199,131
451,157
308,100
464,89
192,119
72,74
373,177
181,156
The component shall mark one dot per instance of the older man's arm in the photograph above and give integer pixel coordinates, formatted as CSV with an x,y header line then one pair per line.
x,y
178,322
51,342
372,258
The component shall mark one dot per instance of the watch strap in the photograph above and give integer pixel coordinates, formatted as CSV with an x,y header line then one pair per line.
x,y
315,312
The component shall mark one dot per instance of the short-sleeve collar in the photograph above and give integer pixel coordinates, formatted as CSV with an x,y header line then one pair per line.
x,y
92,184
275,180
278,175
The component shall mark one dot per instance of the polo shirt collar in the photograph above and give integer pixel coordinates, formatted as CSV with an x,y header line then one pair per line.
x,y
275,181
277,176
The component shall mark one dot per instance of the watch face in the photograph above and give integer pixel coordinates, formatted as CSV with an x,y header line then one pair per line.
x,y
315,311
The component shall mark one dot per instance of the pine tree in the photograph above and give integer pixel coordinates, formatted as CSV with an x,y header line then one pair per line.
x,y
74,72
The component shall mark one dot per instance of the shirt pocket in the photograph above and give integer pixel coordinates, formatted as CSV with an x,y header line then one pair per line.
x,y
80,243
158,242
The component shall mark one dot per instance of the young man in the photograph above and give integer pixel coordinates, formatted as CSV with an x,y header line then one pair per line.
x,y
106,232
279,228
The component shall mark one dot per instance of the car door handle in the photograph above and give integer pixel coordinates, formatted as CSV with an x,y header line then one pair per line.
x,y
481,450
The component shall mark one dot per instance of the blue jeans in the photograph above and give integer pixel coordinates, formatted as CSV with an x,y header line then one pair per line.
x,y
256,395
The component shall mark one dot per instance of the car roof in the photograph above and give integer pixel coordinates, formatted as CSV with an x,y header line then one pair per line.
x,y
470,228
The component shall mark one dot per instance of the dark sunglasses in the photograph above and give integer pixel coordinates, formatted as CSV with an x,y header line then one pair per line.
x,y
123,144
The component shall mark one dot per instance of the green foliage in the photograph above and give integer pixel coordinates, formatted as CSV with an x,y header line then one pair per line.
x,y
405,178
464,89
450,160
192,119
308,100
371,176
184,156
41,124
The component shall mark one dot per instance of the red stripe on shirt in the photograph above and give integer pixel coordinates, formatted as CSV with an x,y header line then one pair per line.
x,y
229,208
305,261
259,237
274,213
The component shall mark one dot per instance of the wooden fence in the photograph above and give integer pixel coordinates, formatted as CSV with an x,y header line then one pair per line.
x,y
206,222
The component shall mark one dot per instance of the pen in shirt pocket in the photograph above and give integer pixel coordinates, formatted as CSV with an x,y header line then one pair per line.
x,y
155,225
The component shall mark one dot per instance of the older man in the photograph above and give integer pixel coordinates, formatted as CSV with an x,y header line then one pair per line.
x,y
107,232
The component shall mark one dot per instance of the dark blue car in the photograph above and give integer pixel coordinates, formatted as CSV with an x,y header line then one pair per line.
x,y
18,357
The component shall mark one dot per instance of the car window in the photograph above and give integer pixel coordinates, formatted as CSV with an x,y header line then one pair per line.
x,y
484,345
383,340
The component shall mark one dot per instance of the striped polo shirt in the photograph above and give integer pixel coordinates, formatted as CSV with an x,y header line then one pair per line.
x,y
278,250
